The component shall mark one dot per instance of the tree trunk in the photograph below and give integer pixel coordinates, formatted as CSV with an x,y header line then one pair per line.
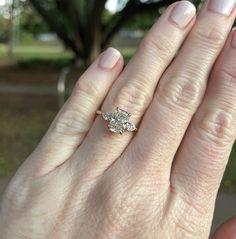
x,y
96,44
11,30
56,27
82,30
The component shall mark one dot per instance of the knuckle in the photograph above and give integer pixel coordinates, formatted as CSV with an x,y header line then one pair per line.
x,y
85,88
73,120
133,97
69,125
180,92
159,46
216,126
210,36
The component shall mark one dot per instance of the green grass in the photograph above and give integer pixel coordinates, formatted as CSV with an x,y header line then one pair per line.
x,y
46,56
23,122
40,52
48,52
38,56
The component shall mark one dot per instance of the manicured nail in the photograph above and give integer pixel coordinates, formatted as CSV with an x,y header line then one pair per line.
x,y
223,7
109,58
183,13
234,39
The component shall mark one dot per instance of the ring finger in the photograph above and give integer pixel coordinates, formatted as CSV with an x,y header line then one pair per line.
x,y
134,89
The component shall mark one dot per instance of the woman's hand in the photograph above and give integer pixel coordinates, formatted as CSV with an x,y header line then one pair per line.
x,y
86,182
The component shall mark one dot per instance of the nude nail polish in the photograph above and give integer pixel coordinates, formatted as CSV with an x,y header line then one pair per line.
x,y
183,13
109,58
223,7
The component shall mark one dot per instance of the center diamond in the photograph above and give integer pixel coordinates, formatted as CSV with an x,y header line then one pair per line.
x,y
118,121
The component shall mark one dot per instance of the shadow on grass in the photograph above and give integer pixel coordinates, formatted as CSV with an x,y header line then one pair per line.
x,y
43,64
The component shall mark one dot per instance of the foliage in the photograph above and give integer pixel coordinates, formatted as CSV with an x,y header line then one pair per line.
x,y
85,26
4,29
143,22
30,21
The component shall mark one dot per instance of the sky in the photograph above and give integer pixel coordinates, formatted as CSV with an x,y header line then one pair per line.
x,y
2,2
110,5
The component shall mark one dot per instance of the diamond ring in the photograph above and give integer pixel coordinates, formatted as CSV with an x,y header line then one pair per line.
x,y
118,121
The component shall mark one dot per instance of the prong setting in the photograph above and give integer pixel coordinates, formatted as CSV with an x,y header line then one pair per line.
x,y
118,121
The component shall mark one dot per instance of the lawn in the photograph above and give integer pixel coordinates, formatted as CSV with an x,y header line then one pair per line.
x,y
36,51
25,118
46,56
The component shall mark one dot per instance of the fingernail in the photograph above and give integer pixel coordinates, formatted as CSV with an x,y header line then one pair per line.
x,y
223,7
183,13
234,39
109,58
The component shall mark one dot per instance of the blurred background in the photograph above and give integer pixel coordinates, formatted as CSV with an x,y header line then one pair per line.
x,y
45,45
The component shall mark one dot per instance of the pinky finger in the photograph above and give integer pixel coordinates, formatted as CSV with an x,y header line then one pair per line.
x,y
200,162
75,118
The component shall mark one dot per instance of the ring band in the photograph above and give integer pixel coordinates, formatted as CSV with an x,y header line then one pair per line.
x,y
118,121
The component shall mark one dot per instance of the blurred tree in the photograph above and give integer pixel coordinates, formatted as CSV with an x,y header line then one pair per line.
x,y
30,22
11,40
18,20
145,21
85,26
4,29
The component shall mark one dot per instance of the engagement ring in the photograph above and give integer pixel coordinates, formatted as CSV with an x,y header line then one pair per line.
x,y
118,121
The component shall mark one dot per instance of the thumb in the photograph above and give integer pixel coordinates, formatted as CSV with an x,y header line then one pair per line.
x,y
227,230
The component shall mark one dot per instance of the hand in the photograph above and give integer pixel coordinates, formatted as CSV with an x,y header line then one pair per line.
x,y
86,182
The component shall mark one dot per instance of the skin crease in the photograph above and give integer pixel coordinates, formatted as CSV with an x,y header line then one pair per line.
x,y
85,182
